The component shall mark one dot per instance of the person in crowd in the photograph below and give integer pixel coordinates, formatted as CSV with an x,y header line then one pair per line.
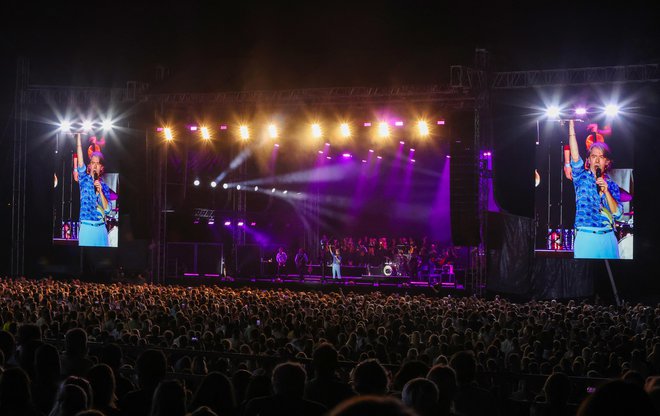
x,y
326,388
288,387
421,395
169,399
150,368
217,393
470,399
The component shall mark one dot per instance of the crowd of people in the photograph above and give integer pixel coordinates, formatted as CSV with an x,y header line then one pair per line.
x,y
75,348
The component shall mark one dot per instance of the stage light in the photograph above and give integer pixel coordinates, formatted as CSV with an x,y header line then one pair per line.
x,y
367,124
272,131
169,136
320,152
398,123
211,221
317,133
214,184
223,127
227,223
402,142
552,111
371,150
379,157
346,155
364,160
256,188
276,145
611,110
240,223
345,130
412,160
65,125
244,132
328,157
225,186
412,150
193,128
196,182
423,128
238,187
383,129
441,122
580,111
106,124
272,190
87,125
206,134
253,224
285,192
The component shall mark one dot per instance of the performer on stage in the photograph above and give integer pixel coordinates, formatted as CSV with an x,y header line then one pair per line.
x,y
94,196
336,264
301,261
281,258
597,201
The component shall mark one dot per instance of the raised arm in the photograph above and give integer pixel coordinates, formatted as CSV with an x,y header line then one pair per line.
x,y
572,142
79,152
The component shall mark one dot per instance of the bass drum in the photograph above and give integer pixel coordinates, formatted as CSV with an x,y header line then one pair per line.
x,y
388,270
626,247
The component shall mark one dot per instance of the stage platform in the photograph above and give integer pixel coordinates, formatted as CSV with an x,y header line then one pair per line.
x,y
386,284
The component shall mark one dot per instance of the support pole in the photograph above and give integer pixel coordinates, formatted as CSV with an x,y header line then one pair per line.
x,y
609,273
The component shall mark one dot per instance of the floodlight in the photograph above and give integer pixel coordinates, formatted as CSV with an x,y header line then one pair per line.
x,y
316,131
206,134
345,130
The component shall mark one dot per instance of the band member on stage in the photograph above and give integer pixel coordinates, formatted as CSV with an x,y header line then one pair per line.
x,y
94,196
301,261
336,264
597,201
280,258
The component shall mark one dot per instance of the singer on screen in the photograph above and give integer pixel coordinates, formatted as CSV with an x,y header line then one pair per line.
x,y
94,196
597,201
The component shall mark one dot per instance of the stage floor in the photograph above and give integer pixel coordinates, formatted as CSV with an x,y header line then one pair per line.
x,y
389,284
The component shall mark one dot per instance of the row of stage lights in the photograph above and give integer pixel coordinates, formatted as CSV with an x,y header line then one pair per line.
x,y
272,130
238,187
85,126
555,112
227,223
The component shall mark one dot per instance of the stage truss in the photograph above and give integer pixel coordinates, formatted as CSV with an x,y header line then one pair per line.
x,y
469,88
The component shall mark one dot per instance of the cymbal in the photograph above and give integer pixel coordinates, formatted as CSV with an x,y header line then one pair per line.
x,y
625,196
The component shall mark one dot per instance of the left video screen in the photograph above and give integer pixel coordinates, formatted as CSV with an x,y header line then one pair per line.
x,y
86,192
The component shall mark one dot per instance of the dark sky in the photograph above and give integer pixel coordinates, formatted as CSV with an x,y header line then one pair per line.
x,y
219,45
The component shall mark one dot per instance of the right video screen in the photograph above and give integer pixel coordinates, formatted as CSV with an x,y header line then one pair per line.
x,y
584,188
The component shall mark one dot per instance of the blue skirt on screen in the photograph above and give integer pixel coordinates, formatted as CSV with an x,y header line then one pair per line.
x,y
92,234
595,243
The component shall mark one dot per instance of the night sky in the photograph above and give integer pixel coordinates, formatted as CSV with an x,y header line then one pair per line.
x,y
222,46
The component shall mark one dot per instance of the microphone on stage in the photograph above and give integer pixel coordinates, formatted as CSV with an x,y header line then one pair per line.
x,y
599,173
96,178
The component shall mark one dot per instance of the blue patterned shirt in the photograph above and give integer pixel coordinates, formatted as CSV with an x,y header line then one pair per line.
x,y
591,209
91,208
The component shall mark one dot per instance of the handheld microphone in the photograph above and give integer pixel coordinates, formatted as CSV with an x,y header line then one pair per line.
x,y
96,178
599,173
